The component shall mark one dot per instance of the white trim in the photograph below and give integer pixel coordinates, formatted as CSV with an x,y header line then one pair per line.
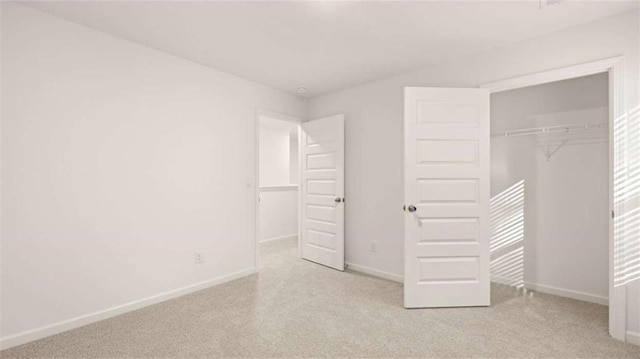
x,y
617,295
278,116
66,325
288,236
375,272
565,73
290,187
633,337
615,68
300,134
568,293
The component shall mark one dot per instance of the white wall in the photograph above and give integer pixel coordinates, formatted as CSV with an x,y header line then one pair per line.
x,y
278,213
565,240
119,162
274,157
374,116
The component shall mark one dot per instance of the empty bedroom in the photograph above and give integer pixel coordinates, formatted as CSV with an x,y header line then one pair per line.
x,y
267,179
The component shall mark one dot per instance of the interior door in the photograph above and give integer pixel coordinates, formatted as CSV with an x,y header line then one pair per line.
x,y
446,251
322,191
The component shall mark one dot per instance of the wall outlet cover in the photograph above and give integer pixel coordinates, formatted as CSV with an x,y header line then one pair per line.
x,y
198,257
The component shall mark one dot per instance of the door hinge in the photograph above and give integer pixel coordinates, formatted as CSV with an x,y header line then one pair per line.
x,y
404,208
613,214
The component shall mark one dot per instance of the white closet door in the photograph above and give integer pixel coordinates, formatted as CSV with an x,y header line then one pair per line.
x,y
322,191
447,197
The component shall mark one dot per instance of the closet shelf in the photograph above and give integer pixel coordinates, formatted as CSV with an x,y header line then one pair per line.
x,y
551,130
573,134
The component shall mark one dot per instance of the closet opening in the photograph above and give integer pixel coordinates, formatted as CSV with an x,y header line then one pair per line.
x,y
550,188
278,178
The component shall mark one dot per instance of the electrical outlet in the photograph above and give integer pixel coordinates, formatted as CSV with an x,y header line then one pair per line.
x,y
198,257
374,247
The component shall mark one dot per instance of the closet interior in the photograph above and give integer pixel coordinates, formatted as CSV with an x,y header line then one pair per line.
x,y
550,188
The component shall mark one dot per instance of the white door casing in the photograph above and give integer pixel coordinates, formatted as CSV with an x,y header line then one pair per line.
x,y
447,173
322,191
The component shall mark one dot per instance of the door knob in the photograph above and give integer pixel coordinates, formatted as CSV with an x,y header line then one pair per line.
x,y
338,200
412,208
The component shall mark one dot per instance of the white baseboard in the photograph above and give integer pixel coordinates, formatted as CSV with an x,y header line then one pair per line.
x,y
585,297
288,236
376,273
63,326
633,337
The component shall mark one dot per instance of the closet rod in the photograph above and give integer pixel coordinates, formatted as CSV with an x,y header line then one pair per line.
x,y
549,130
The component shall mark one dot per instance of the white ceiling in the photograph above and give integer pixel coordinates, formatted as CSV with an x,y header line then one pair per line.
x,y
327,45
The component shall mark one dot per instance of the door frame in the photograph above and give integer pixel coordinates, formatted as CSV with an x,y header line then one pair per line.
x,y
260,113
615,68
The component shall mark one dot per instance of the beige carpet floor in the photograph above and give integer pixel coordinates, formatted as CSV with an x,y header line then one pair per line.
x,y
295,308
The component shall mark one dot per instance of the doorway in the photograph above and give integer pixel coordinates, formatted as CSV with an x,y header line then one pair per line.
x,y
550,188
278,178
618,216
300,185
447,171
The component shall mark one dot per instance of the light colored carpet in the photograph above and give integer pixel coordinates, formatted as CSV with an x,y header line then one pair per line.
x,y
294,308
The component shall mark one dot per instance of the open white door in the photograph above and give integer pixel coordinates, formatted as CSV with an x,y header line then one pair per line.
x,y
446,251
322,191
